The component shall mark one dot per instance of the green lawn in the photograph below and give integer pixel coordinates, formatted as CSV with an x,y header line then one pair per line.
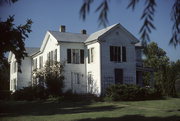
x,y
155,110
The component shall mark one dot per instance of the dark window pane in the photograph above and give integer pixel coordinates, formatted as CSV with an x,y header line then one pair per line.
x,y
68,55
115,53
82,56
119,54
88,56
118,76
55,55
124,54
111,53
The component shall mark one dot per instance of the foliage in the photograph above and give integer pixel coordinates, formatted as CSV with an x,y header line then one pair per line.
x,y
5,94
70,96
130,92
165,72
30,93
7,1
52,76
147,17
4,76
12,39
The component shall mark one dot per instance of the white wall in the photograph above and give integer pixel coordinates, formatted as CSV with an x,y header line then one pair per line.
x,y
117,38
22,79
51,45
73,68
12,74
94,68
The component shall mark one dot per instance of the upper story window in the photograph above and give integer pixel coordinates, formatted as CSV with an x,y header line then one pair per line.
x,y
51,57
35,63
118,53
40,61
90,55
75,56
55,55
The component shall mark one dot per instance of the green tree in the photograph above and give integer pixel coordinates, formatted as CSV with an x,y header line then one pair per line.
x,y
164,71
147,17
173,75
4,76
12,37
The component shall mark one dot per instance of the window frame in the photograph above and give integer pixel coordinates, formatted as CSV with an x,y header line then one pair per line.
x,y
118,54
75,56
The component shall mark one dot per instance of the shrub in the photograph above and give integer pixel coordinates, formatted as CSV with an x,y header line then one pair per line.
x,y
130,92
52,76
5,94
30,93
70,96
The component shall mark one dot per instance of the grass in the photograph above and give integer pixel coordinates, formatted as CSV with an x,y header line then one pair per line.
x,y
154,110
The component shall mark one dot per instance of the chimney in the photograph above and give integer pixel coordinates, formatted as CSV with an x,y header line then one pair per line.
x,y
62,28
83,31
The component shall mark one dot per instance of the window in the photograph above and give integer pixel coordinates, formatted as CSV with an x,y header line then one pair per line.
x,y
40,61
48,58
51,58
81,56
35,64
55,55
68,55
118,53
75,56
89,78
75,77
90,55
15,84
124,54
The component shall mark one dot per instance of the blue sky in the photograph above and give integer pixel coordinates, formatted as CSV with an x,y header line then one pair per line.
x,y
50,14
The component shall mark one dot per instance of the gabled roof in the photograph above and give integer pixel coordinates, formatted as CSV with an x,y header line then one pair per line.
x,y
96,35
63,37
69,37
29,50
102,32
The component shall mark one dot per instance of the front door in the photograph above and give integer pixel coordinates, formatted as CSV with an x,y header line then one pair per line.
x,y
118,76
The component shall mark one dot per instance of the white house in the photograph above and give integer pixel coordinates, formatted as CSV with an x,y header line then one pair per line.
x,y
93,62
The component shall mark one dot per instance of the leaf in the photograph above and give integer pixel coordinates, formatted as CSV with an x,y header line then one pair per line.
x,y
132,4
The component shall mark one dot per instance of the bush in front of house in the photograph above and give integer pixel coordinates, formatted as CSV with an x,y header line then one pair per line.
x,y
51,75
125,92
30,93
5,94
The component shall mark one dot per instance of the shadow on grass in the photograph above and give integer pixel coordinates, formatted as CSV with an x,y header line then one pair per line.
x,y
134,118
50,108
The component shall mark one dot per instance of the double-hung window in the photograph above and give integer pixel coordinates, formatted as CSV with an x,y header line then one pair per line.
x,y
118,53
35,63
40,61
75,56
90,55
